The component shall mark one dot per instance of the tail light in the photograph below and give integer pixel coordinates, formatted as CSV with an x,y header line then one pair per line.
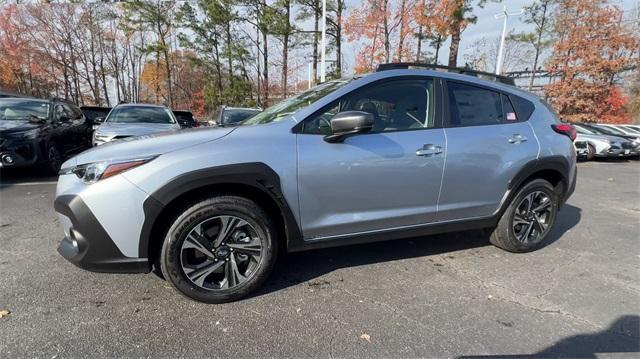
x,y
565,129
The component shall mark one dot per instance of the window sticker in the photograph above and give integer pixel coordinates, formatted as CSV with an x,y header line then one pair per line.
x,y
511,116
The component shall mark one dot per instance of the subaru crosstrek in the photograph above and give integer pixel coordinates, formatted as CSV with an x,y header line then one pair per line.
x,y
393,154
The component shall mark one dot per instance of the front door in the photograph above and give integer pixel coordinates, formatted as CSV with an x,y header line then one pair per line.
x,y
388,178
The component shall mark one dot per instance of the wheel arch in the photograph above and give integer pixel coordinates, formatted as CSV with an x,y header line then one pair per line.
x,y
554,169
255,181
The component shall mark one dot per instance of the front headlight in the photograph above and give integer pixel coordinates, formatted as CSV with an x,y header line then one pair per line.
x,y
93,172
26,135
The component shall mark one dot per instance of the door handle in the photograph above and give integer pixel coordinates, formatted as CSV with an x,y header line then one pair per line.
x,y
517,138
428,150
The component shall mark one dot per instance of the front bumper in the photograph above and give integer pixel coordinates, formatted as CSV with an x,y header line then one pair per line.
x,y
19,153
87,244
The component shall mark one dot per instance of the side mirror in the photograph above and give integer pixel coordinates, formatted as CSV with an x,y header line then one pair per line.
x,y
349,123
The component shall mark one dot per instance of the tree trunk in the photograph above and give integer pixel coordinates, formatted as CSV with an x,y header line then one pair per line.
x,y
285,50
455,44
403,6
339,9
419,50
315,43
438,44
265,71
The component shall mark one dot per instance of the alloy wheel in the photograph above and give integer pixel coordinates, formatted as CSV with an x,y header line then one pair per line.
x,y
221,252
532,217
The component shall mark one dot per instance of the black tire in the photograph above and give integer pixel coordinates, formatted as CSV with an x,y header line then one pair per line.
x,y
198,215
591,152
54,159
504,235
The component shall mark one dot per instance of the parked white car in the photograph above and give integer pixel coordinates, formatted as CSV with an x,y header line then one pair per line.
x,y
599,145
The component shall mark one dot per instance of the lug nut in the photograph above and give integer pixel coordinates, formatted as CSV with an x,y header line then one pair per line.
x,y
227,259
230,249
215,259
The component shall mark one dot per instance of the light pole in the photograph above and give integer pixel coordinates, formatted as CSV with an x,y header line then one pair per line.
x,y
323,41
504,14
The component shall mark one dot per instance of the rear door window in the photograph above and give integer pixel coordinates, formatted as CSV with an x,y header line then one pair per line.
x,y
473,106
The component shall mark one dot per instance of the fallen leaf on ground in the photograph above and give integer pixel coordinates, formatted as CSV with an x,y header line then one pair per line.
x,y
366,337
4,313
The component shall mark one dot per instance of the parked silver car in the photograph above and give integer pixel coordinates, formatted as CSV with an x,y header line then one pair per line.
x,y
348,161
601,145
130,120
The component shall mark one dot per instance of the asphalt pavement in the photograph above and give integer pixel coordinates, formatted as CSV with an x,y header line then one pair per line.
x,y
440,296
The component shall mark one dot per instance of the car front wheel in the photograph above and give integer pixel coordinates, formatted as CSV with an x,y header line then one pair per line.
x,y
527,221
219,250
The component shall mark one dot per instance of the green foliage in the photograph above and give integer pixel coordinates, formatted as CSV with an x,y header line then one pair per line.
x,y
218,48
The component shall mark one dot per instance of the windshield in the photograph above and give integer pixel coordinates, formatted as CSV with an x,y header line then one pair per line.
x,y
609,130
631,129
287,107
583,130
21,109
236,115
140,114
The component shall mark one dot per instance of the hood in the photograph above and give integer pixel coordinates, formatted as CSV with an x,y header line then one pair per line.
x,y
135,129
149,145
10,126
601,137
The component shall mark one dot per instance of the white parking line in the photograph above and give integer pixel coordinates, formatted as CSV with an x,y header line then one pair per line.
x,y
27,184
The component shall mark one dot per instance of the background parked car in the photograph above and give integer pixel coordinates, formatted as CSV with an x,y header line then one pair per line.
x,y
602,145
95,114
635,130
185,119
129,120
612,131
621,130
232,116
34,131
582,149
634,127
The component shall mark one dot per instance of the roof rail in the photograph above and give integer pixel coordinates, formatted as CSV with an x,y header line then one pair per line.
x,y
459,70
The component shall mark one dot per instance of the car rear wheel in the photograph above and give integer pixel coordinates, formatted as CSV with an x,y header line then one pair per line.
x,y
527,221
219,250
591,151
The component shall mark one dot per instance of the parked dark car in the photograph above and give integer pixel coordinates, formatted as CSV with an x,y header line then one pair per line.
x,y
233,116
40,132
185,119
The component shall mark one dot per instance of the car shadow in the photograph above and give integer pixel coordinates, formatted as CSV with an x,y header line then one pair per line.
x,y
295,268
623,336
11,176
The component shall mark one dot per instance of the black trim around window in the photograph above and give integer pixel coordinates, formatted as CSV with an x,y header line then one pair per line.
x,y
438,115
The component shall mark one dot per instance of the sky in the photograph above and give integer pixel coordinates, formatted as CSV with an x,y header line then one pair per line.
x,y
486,26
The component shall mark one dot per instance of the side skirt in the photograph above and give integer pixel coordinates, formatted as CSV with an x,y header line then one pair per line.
x,y
395,233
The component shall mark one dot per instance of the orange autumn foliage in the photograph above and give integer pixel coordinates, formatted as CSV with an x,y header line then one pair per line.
x,y
593,47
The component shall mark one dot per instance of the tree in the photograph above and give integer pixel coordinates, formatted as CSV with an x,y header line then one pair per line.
x,y
156,17
457,16
593,48
384,30
538,14
483,54
432,27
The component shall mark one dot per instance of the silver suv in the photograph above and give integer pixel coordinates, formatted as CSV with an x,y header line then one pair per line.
x,y
393,154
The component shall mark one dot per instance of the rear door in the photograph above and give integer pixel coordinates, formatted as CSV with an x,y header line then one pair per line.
x,y
388,178
487,143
